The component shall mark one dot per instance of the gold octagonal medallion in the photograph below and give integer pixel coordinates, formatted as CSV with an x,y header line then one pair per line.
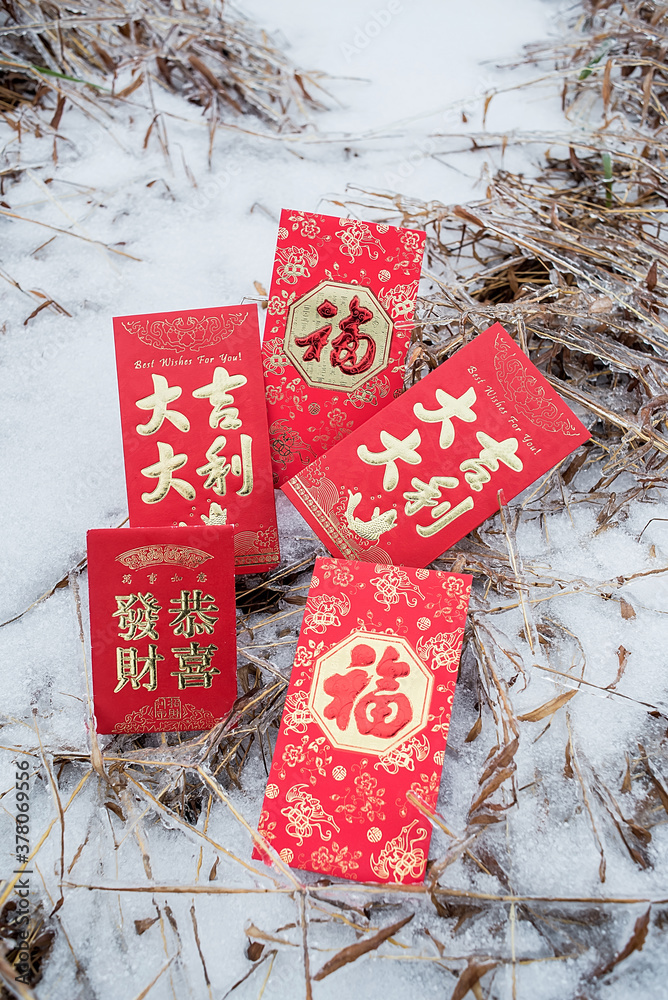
x,y
338,336
371,692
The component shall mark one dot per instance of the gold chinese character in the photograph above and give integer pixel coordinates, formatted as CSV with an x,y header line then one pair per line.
x,y
244,463
186,613
427,494
493,452
163,470
201,577
445,516
449,407
158,401
140,622
152,577
176,578
218,468
127,668
195,668
395,448
127,578
167,708
218,392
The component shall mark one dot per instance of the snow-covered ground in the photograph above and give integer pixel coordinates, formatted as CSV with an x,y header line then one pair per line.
x,y
190,236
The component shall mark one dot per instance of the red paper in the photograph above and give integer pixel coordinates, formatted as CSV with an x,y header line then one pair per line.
x,y
366,721
195,426
163,633
338,324
427,470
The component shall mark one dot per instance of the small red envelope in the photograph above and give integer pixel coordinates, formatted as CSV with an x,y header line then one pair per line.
x,y
338,324
366,721
163,627
195,426
427,470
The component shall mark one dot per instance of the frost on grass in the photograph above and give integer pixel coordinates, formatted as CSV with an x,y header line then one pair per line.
x,y
546,869
101,55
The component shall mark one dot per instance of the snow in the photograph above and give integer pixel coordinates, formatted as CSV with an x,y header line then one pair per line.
x,y
202,236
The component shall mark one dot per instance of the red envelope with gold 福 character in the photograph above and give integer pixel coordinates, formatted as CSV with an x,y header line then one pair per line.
x,y
427,470
338,324
366,721
163,635
195,426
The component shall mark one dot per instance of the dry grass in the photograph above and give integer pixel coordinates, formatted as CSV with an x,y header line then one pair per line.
x,y
103,55
572,263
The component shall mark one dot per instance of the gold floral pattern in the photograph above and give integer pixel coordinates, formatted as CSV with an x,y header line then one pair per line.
x,y
426,790
286,443
399,300
526,393
305,813
442,650
266,826
370,393
310,757
391,584
273,357
451,600
335,859
363,802
323,612
356,237
294,263
399,857
184,333
404,756
296,714
149,719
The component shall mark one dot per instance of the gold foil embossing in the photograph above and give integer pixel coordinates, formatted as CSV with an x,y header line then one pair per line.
x,y
159,401
395,448
153,555
370,692
129,671
163,470
219,393
138,613
195,668
338,336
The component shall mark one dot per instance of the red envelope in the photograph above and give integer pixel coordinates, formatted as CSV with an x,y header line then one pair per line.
x,y
338,324
366,721
427,470
163,627
195,426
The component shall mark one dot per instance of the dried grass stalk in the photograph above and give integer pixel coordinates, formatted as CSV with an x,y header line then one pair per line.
x,y
101,54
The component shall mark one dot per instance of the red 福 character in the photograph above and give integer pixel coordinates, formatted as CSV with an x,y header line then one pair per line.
x,y
385,714
344,688
345,346
314,342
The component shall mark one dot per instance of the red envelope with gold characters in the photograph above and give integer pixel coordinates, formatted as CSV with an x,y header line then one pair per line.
x,y
427,470
338,324
163,627
366,721
195,426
